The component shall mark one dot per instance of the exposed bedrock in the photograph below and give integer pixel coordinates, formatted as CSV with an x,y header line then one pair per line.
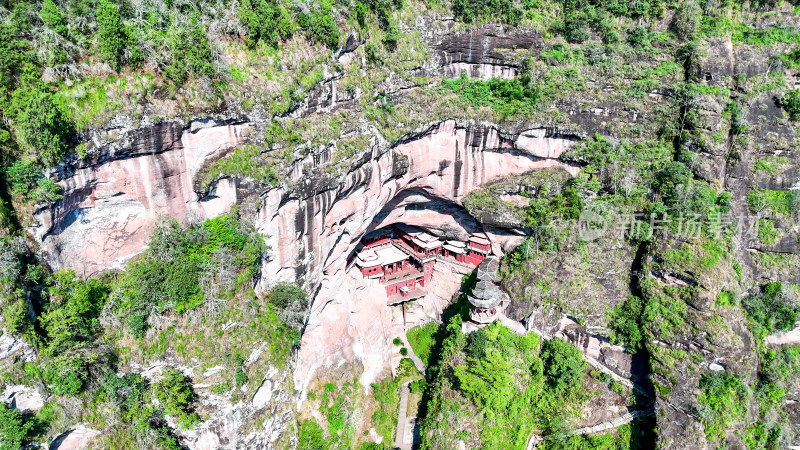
x,y
110,208
485,52
312,237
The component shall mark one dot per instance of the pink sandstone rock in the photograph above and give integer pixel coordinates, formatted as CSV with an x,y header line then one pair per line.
x,y
76,438
312,238
109,211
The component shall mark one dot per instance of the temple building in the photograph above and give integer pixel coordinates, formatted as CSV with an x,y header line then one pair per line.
x,y
402,258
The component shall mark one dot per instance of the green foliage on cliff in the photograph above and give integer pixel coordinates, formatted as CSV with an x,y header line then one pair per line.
x,y
53,18
791,103
41,125
13,428
319,25
779,202
500,384
723,399
113,37
508,97
387,399
266,20
182,267
422,339
505,11
26,180
174,393
770,310
191,53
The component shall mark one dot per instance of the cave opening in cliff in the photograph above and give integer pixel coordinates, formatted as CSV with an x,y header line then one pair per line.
x,y
416,253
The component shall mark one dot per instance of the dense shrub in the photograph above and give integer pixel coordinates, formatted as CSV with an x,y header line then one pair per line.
x,y
41,125
422,339
66,373
770,310
319,26
191,53
113,37
175,395
291,303
387,399
53,18
723,400
791,103
13,428
563,366
624,323
71,315
311,437
266,22
26,180
478,10
509,98
181,268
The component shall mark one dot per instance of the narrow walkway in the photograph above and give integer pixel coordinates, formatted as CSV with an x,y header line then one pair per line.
x,y
402,420
791,337
404,436
417,362
512,325
629,417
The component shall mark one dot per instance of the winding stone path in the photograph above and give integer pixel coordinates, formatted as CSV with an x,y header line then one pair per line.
x,y
627,418
417,362
404,435
400,440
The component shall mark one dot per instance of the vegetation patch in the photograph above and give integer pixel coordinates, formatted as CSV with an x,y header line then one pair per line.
x,y
723,403
770,310
422,339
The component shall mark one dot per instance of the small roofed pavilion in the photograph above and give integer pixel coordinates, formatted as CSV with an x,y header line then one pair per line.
x,y
486,297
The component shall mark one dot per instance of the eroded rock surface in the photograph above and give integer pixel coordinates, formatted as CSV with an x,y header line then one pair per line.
x,y
110,208
24,398
76,438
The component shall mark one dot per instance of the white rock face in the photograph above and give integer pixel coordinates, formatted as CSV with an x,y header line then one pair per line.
x,y
714,367
263,395
78,437
24,398
224,427
11,347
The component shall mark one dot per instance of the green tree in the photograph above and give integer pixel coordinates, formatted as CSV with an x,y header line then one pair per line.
x,y
266,22
112,35
13,428
71,315
311,437
191,53
791,103
563,366
319,26
174,393
52,16
489,381
41,125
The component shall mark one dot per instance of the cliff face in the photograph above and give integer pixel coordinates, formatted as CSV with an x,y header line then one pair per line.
x,y
312,227
111,204
315,216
